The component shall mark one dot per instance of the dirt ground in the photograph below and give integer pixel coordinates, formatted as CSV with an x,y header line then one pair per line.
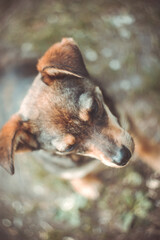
x,y
120,42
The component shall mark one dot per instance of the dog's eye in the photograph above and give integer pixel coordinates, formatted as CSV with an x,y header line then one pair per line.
x,y
70,148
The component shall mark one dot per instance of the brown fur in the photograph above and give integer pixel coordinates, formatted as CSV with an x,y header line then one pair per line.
x,y
61,56
64,112
12,135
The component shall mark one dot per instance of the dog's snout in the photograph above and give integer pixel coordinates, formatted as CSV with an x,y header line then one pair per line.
x,y
122,156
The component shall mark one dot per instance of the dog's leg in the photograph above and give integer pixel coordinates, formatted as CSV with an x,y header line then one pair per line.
x,y
146,149
89,186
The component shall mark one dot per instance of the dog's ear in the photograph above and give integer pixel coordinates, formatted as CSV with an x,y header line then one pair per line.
x,y
13,137
62,59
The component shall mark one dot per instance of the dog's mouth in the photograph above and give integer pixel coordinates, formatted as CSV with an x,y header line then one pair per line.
x,y
118,160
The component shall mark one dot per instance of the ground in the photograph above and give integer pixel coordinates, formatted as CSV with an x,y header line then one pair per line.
x,y
120,42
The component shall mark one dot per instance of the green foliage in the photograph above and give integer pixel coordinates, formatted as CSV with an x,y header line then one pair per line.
x,y
133,178
69,209
136,205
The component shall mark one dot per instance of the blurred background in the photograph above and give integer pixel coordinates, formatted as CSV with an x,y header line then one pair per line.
x,y
120,43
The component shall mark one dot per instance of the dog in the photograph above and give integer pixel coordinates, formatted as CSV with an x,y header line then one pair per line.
x,y
67,122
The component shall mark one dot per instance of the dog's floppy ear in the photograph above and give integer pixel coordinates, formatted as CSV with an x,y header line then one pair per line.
x,y
62,59
14,137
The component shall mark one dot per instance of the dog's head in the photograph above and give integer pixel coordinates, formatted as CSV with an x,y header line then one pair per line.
x,y
64,112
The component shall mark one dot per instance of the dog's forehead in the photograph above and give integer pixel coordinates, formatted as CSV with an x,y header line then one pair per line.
x,y
60,107
72,93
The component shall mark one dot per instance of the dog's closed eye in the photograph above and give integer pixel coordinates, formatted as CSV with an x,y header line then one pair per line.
x,y
68,149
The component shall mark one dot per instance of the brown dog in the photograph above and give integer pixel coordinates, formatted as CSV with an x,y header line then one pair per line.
x,y
63,117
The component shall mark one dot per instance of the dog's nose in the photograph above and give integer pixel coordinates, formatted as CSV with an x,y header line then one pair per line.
x,y
122,156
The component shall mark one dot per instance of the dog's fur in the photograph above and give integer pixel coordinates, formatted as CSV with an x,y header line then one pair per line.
x,y
65,119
